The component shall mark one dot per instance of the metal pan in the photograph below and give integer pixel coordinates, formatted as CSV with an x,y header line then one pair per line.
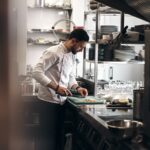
x,y
125,128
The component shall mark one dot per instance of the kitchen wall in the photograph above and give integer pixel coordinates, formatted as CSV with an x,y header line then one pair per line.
x,y
21,20
122,72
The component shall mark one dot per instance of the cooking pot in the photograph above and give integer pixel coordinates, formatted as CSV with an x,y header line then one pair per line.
x,y
125,128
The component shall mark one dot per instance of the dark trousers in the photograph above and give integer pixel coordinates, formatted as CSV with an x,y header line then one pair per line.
x,y
52,122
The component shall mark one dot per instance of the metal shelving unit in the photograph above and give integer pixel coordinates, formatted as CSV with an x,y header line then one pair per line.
x,y
47,31
105,10
50,7
97,12
44,44
116,62
35,34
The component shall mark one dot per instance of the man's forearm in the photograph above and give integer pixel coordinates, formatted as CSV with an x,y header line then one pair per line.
x,y
59,89
52,85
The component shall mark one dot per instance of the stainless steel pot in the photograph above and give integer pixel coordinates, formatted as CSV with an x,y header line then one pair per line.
x,y
125,128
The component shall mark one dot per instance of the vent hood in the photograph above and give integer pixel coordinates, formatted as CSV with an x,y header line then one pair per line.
x,y
137,8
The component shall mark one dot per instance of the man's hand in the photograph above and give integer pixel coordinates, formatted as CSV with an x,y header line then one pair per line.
x,y
59,89
63,91
82,91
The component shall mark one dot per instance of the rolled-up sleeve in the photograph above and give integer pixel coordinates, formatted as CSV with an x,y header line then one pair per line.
x,y
44,63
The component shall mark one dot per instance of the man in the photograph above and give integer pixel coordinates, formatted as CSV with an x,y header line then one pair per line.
x,y
54,72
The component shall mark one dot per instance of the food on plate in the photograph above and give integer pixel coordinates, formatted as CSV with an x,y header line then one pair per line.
x,y
89,100
123,100
120,101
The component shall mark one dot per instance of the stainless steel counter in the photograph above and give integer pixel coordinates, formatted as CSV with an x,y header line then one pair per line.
x,y
92,120
101,112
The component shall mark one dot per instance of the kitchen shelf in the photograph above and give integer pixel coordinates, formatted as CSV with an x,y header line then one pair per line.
x,y
50,7
99,42
38,36
141,42
138,42
46,31
103,11
44,44
116,62
93,42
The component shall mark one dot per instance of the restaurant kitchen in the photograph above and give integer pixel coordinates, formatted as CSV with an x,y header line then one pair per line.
x,y
118,86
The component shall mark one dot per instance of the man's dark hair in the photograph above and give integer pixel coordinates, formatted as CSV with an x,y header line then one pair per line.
x,y
79,34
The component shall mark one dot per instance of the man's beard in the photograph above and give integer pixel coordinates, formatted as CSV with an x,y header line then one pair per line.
x,y
73,50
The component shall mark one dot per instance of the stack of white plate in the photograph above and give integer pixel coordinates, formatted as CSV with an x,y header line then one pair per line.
x,y
124,55
108,29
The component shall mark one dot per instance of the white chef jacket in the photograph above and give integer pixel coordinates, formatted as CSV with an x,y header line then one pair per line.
x,y
56,64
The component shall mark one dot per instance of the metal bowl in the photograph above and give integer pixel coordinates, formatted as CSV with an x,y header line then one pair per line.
x,y
125,128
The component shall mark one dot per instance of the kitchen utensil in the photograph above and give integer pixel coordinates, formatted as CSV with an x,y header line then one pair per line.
x,y
114,44
76,94
125,128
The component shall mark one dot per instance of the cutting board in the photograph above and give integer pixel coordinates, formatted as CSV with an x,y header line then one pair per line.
x,y
86,100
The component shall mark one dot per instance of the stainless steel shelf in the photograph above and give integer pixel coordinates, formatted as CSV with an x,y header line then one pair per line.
x,y
91,42
99,42
116,62
51,7
44,44
106,11
139,42
47,31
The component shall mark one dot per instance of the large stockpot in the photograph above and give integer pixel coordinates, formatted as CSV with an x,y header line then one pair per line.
x,y
125,128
